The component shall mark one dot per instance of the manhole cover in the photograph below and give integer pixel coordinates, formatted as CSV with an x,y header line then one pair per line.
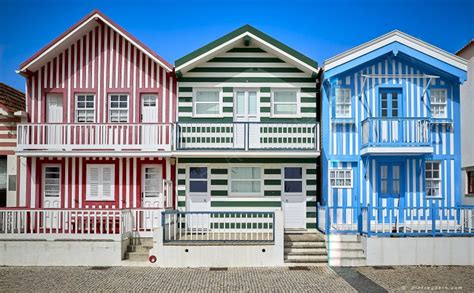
x,y
99,268
299,268
217,269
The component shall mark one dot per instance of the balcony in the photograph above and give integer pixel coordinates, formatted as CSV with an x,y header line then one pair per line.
x,y
95,137
248,136
396,135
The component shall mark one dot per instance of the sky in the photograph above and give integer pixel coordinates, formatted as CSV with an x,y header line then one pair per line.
x,y
173,28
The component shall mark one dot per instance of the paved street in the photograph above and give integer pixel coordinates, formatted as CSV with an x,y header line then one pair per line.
x,y
419,279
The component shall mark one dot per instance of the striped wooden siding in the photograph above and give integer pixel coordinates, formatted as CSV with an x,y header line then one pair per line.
x,y
101,62
246,67
73,181
8,135
218,170
343,143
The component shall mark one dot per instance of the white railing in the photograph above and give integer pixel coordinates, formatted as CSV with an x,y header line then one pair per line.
x,y
64,224
218,226
54,136
248,136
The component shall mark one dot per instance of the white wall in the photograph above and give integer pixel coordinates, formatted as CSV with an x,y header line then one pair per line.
x,y
220,255
467,129
61,253
419,251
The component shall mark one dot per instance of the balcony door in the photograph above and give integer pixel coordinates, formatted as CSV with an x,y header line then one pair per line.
x,y
390,110
149,118
246,111
54,115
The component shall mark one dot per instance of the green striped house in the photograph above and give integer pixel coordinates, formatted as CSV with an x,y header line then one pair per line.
x,y
247,130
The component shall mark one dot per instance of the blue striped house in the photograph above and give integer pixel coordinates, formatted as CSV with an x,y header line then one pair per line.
x,y
391,130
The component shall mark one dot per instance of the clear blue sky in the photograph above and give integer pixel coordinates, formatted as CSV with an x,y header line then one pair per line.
x,y
173,28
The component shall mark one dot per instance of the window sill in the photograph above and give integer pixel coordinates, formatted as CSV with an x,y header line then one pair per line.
x,y
469,195
246,195
100,200
343,120
434,197
207,116
286,116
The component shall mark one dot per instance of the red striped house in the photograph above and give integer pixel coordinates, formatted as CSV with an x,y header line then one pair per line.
x,y
100,106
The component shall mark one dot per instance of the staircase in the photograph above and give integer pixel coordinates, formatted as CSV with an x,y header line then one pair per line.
x,y
345,251
138,249
304,248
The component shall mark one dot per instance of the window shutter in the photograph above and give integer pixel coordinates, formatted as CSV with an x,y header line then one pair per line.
x,y
107,183
94,183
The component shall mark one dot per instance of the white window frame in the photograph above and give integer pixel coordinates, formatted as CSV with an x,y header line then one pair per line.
x,y
219,91
100,197
44,178
337,103
337,171
248,194
303,179
273,103
445,104
246,117
208,180
118,109
433,180
76,107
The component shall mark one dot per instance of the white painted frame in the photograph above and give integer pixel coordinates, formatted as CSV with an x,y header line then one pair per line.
x,y
43,179
439,179
189,179
253,194
221,103
335,178
273,103
303,179
109,97
100,198
445,104
159,166
246,90
76,108
337,91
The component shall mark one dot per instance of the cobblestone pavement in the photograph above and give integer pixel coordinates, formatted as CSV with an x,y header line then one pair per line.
x,y
318,279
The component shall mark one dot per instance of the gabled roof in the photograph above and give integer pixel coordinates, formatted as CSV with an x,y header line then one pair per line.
x,y
213,48
82,26
460,51
396,36
11,100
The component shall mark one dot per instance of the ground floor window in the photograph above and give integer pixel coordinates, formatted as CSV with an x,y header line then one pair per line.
x,y
433,179
470,182
100,182
52,181
340,178
293,179
245,180
198,179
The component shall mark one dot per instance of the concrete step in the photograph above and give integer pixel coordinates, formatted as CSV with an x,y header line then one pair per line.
x,y
304,237
305,264
347,253
305,244
142,241
306,258
343,238
343,245
139,248
136,256
347,262
305,251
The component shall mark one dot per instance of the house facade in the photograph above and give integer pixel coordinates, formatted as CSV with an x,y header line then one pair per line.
x,y
12,107
467,132
247,128
100,107
391,137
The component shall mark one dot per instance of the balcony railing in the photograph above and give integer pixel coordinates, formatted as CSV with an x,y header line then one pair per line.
x,y
396,131
248,136
55,136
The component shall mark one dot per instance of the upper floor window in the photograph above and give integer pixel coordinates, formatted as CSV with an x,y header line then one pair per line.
x,y
340,178
85,108
470,182
439,103
285,103
433,179
343,103
118,108
207,103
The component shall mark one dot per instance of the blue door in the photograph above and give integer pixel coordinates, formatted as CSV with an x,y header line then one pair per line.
x,y
390,188
390,128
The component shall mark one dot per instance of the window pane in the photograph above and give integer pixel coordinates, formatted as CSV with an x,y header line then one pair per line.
x,y
207,96
293,186
252,103
245,186
293,173
207,108
285,96
285,109
198,173
245,173
240,103
197,186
